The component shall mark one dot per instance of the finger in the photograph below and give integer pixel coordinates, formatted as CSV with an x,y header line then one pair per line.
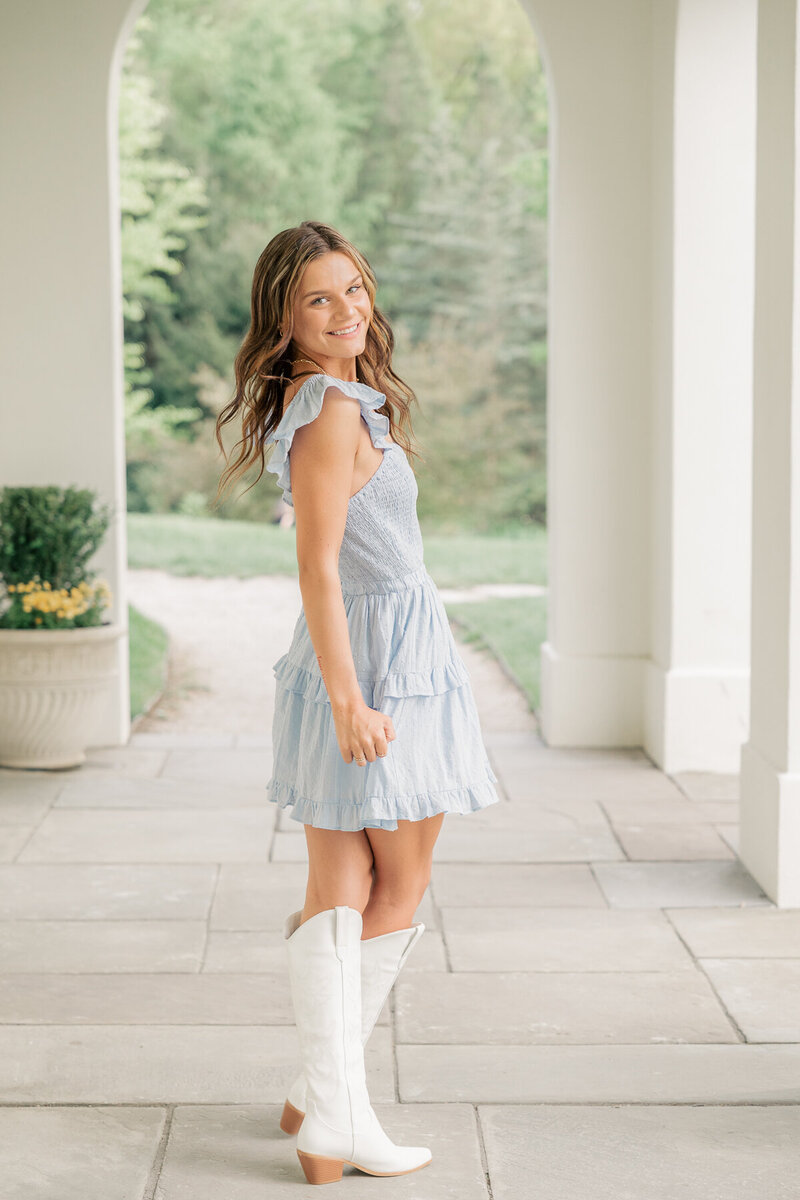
x,y
381,746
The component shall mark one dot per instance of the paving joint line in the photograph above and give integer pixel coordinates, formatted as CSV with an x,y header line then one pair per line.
x,y
737,1029
482,1151
277,1105
437,908
207,921
625,856
158,1158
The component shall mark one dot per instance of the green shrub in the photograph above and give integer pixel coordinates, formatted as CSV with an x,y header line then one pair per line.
x,y
47,536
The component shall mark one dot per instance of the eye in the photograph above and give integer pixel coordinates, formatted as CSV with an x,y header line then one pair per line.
x,y
353,288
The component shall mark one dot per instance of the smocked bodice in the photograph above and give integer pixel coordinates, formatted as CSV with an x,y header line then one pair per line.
x,y
382,544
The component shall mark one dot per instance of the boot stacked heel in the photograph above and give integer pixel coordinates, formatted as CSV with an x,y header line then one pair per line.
x,y
291,1118
320,1170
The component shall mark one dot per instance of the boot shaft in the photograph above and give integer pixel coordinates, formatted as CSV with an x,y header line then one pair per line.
x,y
340,1124
382,958
325,976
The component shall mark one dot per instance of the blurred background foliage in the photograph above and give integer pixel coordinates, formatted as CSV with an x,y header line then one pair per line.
x,y
416,127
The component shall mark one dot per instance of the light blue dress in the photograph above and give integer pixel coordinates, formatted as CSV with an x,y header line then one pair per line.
x,y
406,660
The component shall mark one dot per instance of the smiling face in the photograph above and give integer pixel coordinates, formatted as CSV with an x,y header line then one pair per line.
x,y
331,314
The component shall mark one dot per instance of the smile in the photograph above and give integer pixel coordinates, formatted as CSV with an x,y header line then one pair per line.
x,y
348,332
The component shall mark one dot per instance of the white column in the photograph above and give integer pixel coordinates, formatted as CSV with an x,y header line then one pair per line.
x,y
769,839
61,326
650,373
598,58
697,677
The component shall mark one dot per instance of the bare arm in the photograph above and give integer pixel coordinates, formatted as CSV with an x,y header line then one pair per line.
x,y
322,457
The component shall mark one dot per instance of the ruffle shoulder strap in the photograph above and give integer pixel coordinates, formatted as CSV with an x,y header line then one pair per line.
x,y
306,404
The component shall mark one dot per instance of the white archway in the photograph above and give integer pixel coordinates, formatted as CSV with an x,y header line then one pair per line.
x,y
651,243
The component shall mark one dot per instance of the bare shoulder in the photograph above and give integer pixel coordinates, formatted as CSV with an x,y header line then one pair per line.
x,y
323,451
330,390
333,426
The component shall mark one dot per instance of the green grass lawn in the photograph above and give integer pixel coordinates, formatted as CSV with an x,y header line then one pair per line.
x,y
148,650
512,629
206,546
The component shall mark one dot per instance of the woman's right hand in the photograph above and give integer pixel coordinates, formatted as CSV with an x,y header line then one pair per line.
x,y
363,733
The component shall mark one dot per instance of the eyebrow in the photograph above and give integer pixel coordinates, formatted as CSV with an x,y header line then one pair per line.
x,y
325,291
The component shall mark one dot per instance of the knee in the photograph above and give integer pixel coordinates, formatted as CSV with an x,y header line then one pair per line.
x,y
351,887
402,890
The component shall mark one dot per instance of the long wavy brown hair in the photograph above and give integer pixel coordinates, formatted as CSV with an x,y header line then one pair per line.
x,y
262,367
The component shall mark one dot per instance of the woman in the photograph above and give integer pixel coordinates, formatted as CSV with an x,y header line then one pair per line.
x,y
375,734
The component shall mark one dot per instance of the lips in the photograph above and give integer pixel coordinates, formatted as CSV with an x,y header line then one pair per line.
x,y
347,331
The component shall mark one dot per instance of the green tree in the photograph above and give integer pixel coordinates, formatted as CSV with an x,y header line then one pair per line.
x,y
158,199
249,113
417,127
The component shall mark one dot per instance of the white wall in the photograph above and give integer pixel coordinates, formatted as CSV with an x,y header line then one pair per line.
x,y
61,324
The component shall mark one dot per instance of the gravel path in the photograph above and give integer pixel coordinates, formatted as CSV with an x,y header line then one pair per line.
x,y
225,634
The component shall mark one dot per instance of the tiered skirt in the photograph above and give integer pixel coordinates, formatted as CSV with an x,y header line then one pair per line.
x,y
408,667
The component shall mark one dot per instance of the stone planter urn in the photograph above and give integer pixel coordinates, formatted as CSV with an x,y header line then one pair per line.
x,y
54,684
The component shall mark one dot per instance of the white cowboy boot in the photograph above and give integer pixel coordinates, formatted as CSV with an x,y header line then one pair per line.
x,y
382,959
340,1125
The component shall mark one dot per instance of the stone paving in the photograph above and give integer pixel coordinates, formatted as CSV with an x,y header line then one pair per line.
x,y
604,1003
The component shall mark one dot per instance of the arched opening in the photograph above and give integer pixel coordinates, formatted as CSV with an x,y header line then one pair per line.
x,y
437,166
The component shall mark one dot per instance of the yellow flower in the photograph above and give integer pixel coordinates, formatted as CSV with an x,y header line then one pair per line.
x,y
12,587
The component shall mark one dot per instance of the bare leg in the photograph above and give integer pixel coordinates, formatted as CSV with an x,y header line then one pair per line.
x,y
339,869
402,871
